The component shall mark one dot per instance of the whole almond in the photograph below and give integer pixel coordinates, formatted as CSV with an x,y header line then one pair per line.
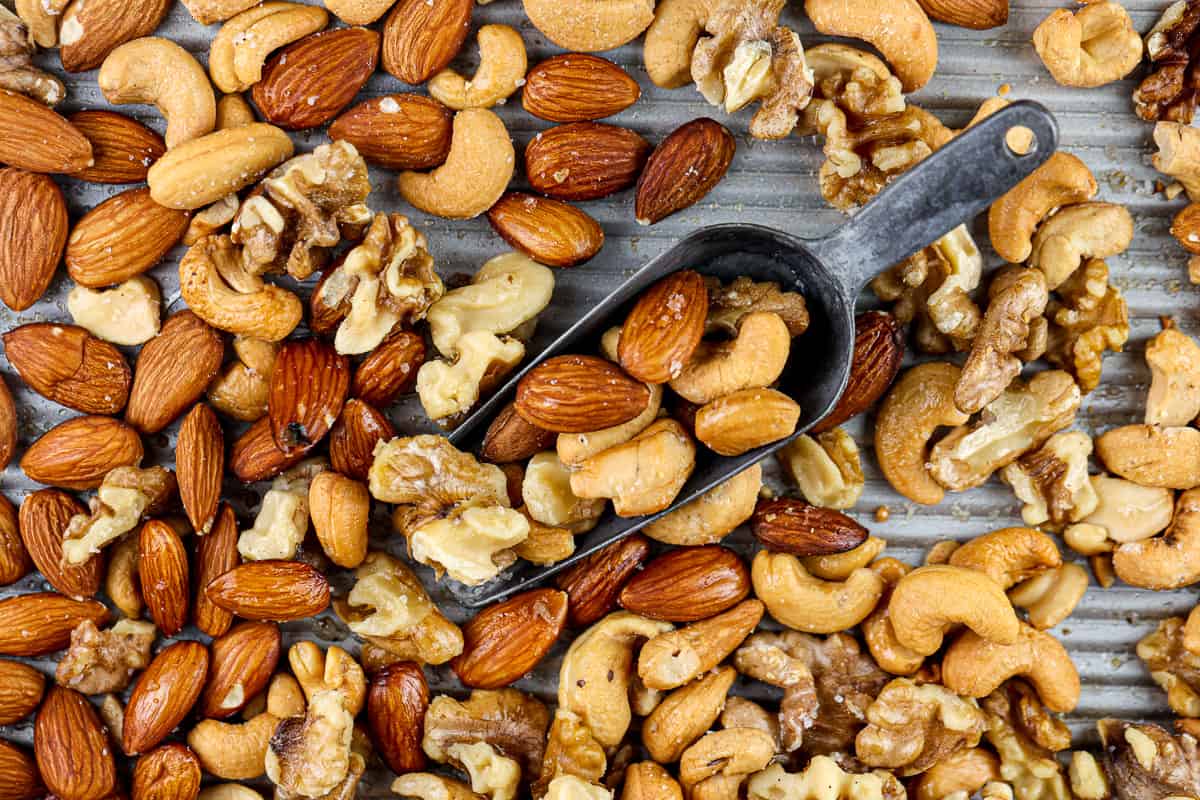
x,y
878,350
173,370
35,138
976,14
15,562
389,370
548,231
20,774
122,148
21,690
593,584
163,571
664,328
575,87
579,394
397,131
308,82
33,233
70,366
243,661
271,590
683,169
8,431
78,453
73,753
308,389
510,438
91,29
40,623
216,554
169,772
200,464
397,700
121,238
584,160
255,456
506,640
43,518
688,584
352,441
421,37
790,525
163,695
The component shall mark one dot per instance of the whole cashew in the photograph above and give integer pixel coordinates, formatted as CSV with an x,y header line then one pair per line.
x,y
672,659
904,34
671,38
685,715
156,70
755,358
240,49
713,515
1062,181
929,601
268,312
1150,455
1079,233
880,636
589,26
975,667
359,12
1009,555
238,751
1167,561
800,601
838,566
476,171
502,65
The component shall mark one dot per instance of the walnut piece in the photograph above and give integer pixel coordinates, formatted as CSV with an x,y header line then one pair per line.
x,y
1053,481
448,389
1033,719
821,779
512,722
125,495
471,544
911,727
571,749
492,773
1172,666
728,303
431,475
17,71
1030,769
768,657
1144,761
310,756
282,520
1089,317
1168,92
105,661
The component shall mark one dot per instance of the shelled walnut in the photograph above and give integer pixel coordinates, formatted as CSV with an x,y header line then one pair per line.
x,y
1173,666
311,756
729,303
105,661
1053,481
510,721
913,726
1146,761
1030,769
1088,317
1168,92
17,70
282,520
124,497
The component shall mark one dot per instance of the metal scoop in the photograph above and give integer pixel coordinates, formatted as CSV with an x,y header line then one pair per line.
x,y
945,190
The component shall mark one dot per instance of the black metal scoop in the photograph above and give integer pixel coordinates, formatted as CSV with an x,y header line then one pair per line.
x,y
947,189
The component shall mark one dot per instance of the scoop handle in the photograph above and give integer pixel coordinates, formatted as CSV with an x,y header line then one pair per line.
x,y
948,188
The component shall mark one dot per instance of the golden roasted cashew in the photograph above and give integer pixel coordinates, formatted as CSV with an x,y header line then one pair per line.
x,y
1179,155
880,636
1125,512
677,657
590,25
1062,181
209,169
502,65
156,70
1049,598
1168,561
1174,361
1152,456
642,476
575,448
121,582
975,667
1009,556
206,12
242,388
715,767
748,418
1094,46
237,751
233,112
1077,234
268,312
671,38
964,772
685,714
42,19
755,358
904,34
649,781
475,173
713,515
800,601
240,49
929,601
838,566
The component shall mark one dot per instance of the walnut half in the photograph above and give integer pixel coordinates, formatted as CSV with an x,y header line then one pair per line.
x,y
105,661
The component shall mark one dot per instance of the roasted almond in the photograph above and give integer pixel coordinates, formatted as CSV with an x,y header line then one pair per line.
x,y
33,233
78,453
584,160
216,554
163,695
15,562
579,394
73,753
688,584
510,438
8,432
390,370
664,328
593,584
68,365
683,169
169,772
163,571
397,700
40,623
308,82
121,238
43,520
548,231
17,767
976,14
122,148
308,389
878,350
505,641
271,590
397,131
255,457
352,441
243,661
173,370
790,525
91,29
21,689
575,87
200,465
35,138
421,37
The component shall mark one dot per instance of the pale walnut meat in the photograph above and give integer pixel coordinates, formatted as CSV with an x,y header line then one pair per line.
x,y
571,749
512,722
310,756
99,661
911,727
471,544
17,71
767,657
429,475
1088,318
450,388
1168,92
728,303
492,773
1030,769
125,495
1053,481
282,521
1144,761
303,209
1172,666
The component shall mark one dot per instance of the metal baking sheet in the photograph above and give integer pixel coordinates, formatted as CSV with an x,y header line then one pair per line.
x,y
770,183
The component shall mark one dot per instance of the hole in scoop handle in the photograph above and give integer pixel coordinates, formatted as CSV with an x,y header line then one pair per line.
x,y
951,187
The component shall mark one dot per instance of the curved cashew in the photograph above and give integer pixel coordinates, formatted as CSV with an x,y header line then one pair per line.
x,y
715,767
671,38
685,715
215,166
754,359
880,636
1050,598
590,26
42,18
749,418
642,476
713,515
476,171
502,65
1095,46
1062,181
238,751
1148,455
240,49
800,601
838,566
975,667
1009,555
920,402
672,659
266,312
929,601
1179,155
904,34
156,70
233,112
1079,233
1168,561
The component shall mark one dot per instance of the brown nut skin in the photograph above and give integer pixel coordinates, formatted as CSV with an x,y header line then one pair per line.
x,y
243,661
664,327
389,370
78,453
353,438
166,385
551,232
975,667
169,772
685,167
929,600
1009,555
510,438
164,575
878,351
688,584
163,695
584,160
417,137
790,525
55,617
397,699
647,780
216,554
577,87
579,394
73,752
420,38
21,691
593,584
15,562
256,457
20,773
507,640
43,517
271,590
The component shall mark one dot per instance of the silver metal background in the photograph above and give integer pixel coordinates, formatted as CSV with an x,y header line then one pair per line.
x,y
771,183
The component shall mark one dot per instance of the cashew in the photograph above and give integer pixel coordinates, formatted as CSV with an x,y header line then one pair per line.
x,y
649,781
267,312
1092,47
715,767
642,476
1168,561
1009,555
739,422
920,402
838,566
929,601
1174,361
880,636
713,515
233,112
904,34
975,667
156,70
671,38
575,448
1062,181
1050,598
228,791
42,18
476,171
672,659
826,468
215,166
428,786
127,314
800,601
240,49
590,26
1179,155
754,359
685,715
502,65
238,751
1152,456
206,12
1126,512
121,581
1079,233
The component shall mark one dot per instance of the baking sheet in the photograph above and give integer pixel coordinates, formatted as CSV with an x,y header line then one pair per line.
x,y
770,183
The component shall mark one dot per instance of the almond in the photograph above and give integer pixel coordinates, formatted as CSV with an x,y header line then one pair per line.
x,y
510,438
70,366
354,436
163,572
43,520
33,233
8,433
421,37
15,562
163,695
169,772
397,700
21,689
72,748
878,350
35,138
575,87
40,623
308,82
397,131
121,238
578,394
78,453
664,328
243,661
200,464
122,148
548,231
173,370
790,525
271,590
683,169
505,641
21,781
216,554
688,584
390,370
976,14
308,389
593,584
91,29
584,160
255,457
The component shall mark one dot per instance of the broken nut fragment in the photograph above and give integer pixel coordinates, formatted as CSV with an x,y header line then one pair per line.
x,y
1053,481
1091,47
105,661
911,727
125,495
